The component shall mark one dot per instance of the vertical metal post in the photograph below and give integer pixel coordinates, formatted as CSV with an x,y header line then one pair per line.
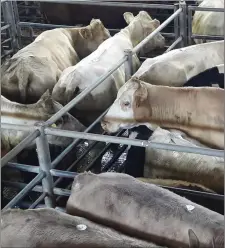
x,y
183,23
8,15
176,23
17,20
189,26
128,64
45,165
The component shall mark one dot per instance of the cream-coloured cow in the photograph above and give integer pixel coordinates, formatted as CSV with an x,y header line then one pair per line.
x,y
199,112
48,228
143,210
176,67
29,114
208,22
38,66
205,170
76,79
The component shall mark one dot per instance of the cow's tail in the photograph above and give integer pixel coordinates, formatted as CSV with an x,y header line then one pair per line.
x,y
22,75
15,70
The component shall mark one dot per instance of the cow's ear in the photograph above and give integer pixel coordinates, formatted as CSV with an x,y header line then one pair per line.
x,y
96,23
140,95
193,239
156,23
85,33
128,17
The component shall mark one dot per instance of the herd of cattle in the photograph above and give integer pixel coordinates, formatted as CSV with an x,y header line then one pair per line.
x,y
173,95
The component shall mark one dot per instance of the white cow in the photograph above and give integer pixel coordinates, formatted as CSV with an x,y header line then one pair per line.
x,y
176,67
197,111
29,114
208,22
205,170
81,76
38,66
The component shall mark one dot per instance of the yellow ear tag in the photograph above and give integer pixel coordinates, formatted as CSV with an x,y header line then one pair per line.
x,y
53,125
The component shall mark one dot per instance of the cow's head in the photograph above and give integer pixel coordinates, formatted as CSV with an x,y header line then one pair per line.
x,y
131,107
90,37
48,107
140,27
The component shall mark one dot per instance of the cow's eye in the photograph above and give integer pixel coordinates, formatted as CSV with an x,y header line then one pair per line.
x,y
126,103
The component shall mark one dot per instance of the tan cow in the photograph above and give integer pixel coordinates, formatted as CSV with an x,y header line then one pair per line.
x,y
143,210
208,22
38,66
77,78
197,111
48,228
29,114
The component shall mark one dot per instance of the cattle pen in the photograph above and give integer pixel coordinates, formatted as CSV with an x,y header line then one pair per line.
x,y
47,178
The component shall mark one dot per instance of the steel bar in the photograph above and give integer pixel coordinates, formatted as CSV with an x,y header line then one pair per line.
x,y
156,31
176,22
77,99
59,173
128,65
17,127
209,37
45,165
25,190
24,167
5,41
76,141
5,27
189,27
39,199
177,41
111,4
10,155
206,9
133,142
17,20
57,191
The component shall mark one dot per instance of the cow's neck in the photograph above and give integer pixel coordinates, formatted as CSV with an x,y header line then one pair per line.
x,y
184,108
21,112
134,32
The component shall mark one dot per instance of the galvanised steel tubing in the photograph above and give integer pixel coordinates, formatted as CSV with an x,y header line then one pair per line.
x,y
76,141
77,99
35,169
66,174
10,155
156,31
17,127
128,65
39,199
25,190
44,25
5,27
133,142
5,41
176,23
24,167
57,191
206,9
177,41
209,37
111,4
45,165
189,26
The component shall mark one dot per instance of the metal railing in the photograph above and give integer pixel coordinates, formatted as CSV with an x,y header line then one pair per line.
x,y
198,36
46,169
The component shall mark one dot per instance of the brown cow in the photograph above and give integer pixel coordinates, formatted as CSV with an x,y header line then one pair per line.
x,y
199,112
48,228
143,210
